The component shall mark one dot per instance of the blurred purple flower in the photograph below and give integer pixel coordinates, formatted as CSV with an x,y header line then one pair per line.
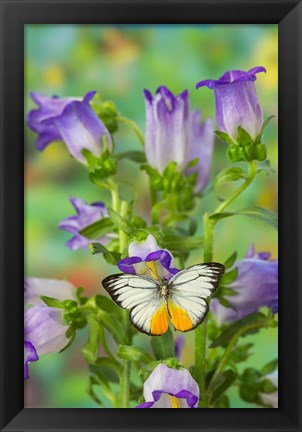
x,y
170,388
70,120
178,346
149,259
86,215
44,328
256,286
173,134
237,102
58,289
271,398
30,355
201,147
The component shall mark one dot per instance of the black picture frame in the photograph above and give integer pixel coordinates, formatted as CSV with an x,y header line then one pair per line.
x,y
14,15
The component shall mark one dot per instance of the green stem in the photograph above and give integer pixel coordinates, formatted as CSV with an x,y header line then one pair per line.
x,y
237,192
201,331
132,125
227,353
126,365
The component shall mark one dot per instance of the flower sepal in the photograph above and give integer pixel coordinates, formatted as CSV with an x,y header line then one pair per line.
x,y
245,149
102,167
72,314
258,387
106,111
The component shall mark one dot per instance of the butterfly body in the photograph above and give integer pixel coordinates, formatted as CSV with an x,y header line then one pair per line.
x,y
152,301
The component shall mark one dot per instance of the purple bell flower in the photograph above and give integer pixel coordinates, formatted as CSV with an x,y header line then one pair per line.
x,y
148,259
70,120
30,355
44,328
173,134
170,388
237,102
58,289
256,286
86,215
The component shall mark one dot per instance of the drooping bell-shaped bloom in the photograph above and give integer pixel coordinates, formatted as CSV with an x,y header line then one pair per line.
x,y
44,328
147,258
70,120
237,102
256,285
173,134
170,388
86,215
30,355
271,398
58,289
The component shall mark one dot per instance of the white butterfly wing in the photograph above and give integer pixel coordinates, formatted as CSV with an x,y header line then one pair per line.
x,y
189,290
141,295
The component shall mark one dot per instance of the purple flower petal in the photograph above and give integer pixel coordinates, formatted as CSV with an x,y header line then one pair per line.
x,y
44,328
70,120
147,258
126,264
35,287
202,145
165,382
167,128
30,356
86,215
178,346
236,102
256,286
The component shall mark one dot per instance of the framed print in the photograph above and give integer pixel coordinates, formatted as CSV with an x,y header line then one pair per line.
x,y
147,149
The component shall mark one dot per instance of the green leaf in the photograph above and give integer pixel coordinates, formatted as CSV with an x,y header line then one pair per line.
x,y
230,261
222,402
163,346
97,229
259,213
123,224
241,353
134,353
109,315
110,257
269,367
182,244
249,324
224,137
265,124
134,156
226,380
90,350
106,369
229,277
146,370
52,302
267,386
91,383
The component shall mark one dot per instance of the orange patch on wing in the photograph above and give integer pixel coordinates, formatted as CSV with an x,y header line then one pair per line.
x,y
179,317
159,322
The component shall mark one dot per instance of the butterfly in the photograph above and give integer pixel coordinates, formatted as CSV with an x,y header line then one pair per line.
x,y
151,302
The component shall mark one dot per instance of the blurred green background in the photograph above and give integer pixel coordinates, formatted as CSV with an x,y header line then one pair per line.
x,y
119,61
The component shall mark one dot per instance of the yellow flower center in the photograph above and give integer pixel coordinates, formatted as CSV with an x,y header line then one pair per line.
x,y
174,402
